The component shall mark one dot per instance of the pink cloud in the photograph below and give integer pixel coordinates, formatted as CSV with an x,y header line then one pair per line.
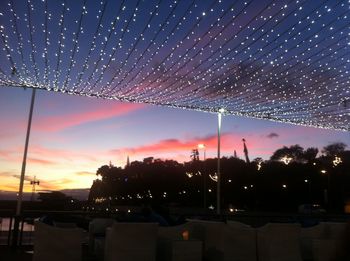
x,y
40,161
10,155
229,143
180,149
61,122
174,145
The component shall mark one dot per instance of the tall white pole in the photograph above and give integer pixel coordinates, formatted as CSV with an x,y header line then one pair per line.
x,y
23,171
202,146
218,192
204,183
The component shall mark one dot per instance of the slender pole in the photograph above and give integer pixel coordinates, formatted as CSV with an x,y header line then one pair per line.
x,y
204,183
20,192
218,192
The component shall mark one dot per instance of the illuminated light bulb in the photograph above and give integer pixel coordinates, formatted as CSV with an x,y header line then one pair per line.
x,y
286,160
213,177
337,161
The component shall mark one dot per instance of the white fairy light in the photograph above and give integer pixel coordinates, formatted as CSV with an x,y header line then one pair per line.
x,y
286,160
189,174
337,160
213,177
286,62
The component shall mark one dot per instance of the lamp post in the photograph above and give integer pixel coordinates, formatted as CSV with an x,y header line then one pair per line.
x,y
326,191
218,189
23,171
202,146
308,183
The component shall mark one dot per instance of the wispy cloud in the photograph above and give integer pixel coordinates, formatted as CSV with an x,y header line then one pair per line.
x,y
45,184
61,122
45,154
9,154
85,173
272,135
6,174
41,161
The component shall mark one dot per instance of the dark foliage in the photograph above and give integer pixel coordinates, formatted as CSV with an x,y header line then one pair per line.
x,y
275,187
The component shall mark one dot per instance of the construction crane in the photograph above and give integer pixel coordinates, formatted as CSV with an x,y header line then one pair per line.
x,y
34,182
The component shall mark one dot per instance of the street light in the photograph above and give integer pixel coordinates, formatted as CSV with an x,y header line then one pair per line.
x,y
202,146
218,192
326,191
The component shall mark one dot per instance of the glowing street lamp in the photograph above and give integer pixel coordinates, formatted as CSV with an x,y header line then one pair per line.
x,y
326,190
218,192
202,146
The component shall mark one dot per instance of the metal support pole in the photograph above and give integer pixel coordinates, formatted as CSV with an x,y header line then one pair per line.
x,y
218,190
204,182
20,192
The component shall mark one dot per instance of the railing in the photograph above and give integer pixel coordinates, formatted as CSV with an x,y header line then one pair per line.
x,y
82,218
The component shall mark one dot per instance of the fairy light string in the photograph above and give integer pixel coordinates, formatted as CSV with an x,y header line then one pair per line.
x,y
285,61
112,30
93,46
134,91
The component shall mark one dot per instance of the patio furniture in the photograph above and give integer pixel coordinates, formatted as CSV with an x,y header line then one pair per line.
x,y
209,232
332,244
131,242
97,233
176,243
64,224
57,244
239,242
307,236
279,242
181,250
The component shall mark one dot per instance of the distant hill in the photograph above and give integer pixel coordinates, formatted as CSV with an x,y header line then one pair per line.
x,y
79,194
11,195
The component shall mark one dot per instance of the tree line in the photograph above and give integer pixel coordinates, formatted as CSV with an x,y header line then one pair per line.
x,y
291,177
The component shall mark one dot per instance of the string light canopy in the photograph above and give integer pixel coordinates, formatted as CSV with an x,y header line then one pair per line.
x,y
283,60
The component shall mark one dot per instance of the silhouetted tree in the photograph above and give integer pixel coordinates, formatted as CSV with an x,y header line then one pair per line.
x,y
334,149
295,152
275,186
310,154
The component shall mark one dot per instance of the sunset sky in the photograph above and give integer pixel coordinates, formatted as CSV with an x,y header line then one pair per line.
x,y
73,136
